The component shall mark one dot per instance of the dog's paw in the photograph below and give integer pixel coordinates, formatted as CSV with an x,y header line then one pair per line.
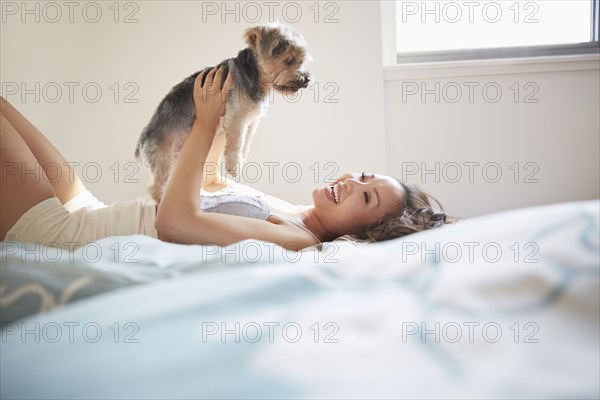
x,y
232,166
232,169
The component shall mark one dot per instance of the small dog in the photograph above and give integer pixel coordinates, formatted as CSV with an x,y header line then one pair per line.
x,y
273,60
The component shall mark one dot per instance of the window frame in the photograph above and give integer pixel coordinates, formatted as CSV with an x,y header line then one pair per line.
x,y
388,12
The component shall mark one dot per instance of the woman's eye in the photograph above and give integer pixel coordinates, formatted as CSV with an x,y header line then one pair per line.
x,y
290,61
362,176
366,197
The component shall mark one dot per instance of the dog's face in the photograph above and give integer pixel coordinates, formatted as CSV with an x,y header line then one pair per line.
x,y
281,55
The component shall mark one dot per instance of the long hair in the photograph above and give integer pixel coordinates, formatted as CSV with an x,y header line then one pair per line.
x,y
421,211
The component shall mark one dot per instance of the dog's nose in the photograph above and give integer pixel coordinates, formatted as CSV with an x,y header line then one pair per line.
x,y
305,79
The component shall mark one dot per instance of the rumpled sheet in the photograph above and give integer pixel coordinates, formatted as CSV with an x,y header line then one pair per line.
x,y
501,306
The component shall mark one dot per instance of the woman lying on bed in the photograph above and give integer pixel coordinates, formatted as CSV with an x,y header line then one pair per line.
x,y
61,212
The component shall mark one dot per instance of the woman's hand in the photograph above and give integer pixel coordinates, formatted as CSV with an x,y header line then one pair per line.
x,y
210,98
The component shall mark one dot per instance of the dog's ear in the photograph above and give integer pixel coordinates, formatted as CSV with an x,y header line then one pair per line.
x,y
252,36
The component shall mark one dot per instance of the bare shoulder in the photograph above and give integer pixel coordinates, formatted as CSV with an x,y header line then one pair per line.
x,y
299,238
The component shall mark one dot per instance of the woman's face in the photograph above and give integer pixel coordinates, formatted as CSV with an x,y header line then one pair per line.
x,y
356,200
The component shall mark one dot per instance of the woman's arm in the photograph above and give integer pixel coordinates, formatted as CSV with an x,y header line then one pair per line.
x,y
182,191
179,217
212,172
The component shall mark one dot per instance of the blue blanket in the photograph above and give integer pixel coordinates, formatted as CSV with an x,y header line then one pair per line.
x,y
501,306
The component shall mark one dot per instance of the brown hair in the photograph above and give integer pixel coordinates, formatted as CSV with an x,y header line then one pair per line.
x,y
421,211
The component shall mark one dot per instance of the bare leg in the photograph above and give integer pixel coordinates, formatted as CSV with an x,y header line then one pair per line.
x,y
23,183
64,181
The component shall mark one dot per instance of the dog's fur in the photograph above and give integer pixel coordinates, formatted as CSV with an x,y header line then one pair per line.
x,y
274,59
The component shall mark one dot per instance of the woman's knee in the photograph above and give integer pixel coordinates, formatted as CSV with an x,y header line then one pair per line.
x,y
23,181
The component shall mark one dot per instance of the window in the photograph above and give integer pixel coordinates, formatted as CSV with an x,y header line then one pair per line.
x,y
445,30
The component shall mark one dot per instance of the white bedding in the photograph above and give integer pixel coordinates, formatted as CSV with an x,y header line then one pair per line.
x,y
528,318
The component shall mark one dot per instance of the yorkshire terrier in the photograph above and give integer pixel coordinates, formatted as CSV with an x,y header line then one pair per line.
x,y
273,60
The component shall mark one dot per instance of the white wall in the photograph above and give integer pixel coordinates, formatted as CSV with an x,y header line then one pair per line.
x,y
558,134
169,41
530,138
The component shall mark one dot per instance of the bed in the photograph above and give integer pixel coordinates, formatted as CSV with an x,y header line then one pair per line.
x,y
500,306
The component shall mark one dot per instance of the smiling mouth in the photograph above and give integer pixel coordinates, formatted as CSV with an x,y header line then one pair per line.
x,y
333,190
